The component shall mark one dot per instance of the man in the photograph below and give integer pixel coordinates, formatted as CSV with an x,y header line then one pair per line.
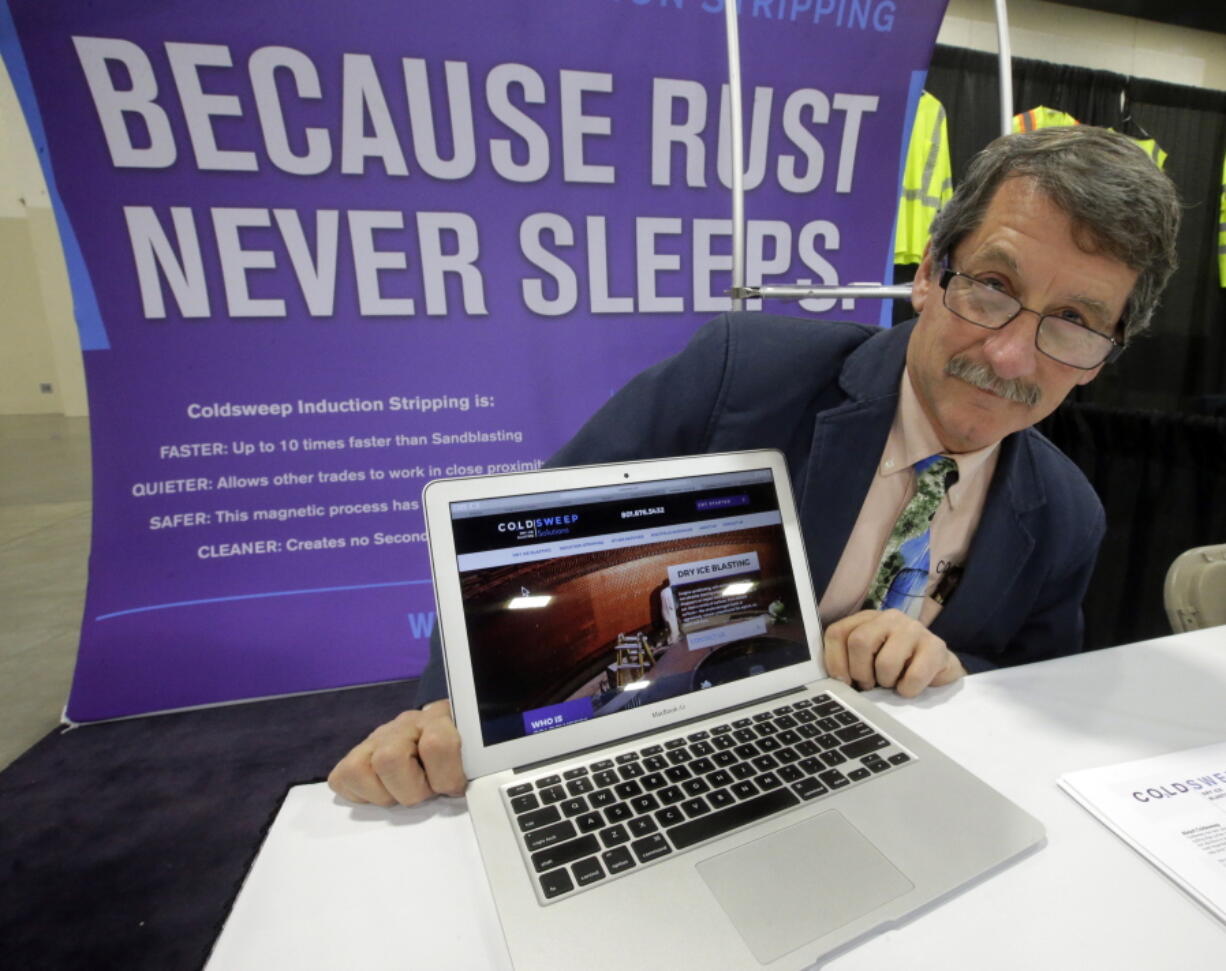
x,y
1047,261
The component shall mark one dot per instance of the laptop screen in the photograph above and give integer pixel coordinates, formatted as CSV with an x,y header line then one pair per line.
x,y
583,603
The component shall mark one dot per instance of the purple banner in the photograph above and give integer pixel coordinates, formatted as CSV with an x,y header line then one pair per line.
x,y
322,253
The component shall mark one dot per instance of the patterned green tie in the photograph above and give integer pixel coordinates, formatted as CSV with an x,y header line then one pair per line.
x,y
903,574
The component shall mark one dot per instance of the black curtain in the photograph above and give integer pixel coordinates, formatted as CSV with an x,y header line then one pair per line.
x,y
1150,431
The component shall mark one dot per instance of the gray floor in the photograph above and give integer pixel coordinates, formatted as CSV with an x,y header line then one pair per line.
x,y
44,544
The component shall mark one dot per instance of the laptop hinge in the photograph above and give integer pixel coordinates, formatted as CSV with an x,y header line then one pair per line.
x,y
659,730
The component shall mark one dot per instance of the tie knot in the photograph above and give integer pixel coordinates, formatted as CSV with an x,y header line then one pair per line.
x,y
936,470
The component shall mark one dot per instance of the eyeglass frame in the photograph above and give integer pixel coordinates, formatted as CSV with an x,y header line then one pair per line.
x,y
947,275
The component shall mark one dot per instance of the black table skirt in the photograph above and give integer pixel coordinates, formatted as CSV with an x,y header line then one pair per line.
x,y
123,845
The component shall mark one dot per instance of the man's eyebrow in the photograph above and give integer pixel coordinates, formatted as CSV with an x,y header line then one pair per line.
x,y
1092,305
997,254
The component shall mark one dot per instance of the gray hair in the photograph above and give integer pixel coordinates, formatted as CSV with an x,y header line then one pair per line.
x,y
1120,202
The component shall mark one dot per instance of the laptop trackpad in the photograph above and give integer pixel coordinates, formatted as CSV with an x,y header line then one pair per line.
x,y
800,883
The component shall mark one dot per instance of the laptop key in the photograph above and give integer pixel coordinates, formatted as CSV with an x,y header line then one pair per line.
x,y
670,794
899,758
789,773
589,822
627,757
862,746
606,778
706,826
602,765
744,790
695,807
853,732
721,798
655,763
808,788
644,804
574,807
547,781
855,775
651,847
552,794
628,790
522,804
642,825
834,779
677,773
670,816
617,812
742,770
812,765
574,773
578,787
767,780
519,790
653,781
614,836
537,818
652,750
602,797
538,839
561,854
555,883
587,871
617,860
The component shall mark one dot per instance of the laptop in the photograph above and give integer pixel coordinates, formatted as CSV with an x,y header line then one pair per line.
x,y
661,772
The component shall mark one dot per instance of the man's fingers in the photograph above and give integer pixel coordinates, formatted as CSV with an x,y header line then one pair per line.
x,y
835,650
439,752
355,780
395,762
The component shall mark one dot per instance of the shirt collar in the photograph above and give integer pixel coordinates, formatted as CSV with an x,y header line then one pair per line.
x,y
912,438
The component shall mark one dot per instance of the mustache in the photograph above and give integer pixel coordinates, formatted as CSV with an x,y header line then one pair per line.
x,y
983,377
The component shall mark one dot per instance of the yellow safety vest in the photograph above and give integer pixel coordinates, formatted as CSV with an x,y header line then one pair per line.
x,y
1221,232
927,180
1153,150
1042,117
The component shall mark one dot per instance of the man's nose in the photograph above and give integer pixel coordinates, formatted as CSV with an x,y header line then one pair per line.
x,y
1011,350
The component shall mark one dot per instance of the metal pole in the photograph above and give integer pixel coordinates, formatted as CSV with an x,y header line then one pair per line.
x,y
1005,66
901,291
737,161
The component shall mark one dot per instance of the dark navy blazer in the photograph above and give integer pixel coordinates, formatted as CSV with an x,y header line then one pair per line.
x,y
825,394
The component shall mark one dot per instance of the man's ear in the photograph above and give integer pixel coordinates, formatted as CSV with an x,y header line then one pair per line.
x,y
921,286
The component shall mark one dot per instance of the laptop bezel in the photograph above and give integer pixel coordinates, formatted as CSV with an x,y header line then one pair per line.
x,y
480,759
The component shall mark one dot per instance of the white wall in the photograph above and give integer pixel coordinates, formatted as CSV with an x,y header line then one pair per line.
x,y
40,355
1087,38
38,342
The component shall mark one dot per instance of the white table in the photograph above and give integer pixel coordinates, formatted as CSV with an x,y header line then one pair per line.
x,y
342,887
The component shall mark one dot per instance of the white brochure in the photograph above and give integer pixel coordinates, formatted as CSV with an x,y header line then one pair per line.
x,y
1172,810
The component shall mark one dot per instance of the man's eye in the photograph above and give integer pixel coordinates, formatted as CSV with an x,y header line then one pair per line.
x,y
1072,316
994,282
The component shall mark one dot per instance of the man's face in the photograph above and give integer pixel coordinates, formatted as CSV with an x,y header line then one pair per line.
x,y
1026,247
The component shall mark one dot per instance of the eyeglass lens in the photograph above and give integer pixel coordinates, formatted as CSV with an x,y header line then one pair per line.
x,y
1061,339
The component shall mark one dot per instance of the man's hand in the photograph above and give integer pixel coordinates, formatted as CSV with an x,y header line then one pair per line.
x,y
411,758
888,648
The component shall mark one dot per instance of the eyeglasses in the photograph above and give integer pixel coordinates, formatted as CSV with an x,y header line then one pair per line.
x,y
1060,338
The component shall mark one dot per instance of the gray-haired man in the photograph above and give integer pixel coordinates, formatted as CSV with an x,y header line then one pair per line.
x,y
1045,264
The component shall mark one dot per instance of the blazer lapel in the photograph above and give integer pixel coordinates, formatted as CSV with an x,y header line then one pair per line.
x,y
1002,544
847,444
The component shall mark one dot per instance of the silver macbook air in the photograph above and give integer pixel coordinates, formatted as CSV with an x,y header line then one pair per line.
x,y
662,774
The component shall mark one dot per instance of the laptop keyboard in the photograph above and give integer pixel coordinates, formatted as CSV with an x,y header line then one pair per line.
x,y
614,815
